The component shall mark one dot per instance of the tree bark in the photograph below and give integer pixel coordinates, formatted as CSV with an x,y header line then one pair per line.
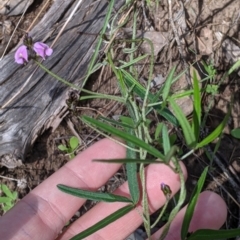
x,y
41,104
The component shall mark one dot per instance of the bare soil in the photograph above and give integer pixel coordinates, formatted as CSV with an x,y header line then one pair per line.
x,y
203,21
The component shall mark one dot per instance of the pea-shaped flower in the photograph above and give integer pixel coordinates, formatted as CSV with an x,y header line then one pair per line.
x,y
166,190
42,49
21,55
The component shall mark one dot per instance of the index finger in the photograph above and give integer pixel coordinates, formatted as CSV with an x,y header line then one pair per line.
x,y
44,211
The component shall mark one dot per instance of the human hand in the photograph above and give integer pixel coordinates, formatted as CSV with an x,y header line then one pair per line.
x,y
45,210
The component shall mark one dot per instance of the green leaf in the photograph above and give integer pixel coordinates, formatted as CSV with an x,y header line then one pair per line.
x,y
62,148
103,223
127,121
129,160
133,61
166,141
127,137
132,173
167,84
209,234
5,200
192,203
187,131
171,153
6,190
235,66
173,138
158,130
96,196
73,142
197,110
217,131
9,204
140,91
212,89
6,208
124,124
159,92
14,195
167,114
236,133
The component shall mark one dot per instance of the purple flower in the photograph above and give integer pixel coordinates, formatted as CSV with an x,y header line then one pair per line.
x,y
166,190
42,49
21,55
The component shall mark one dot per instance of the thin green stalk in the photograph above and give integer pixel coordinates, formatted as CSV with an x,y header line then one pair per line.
x,y
161,214
182,197
96,50
94,95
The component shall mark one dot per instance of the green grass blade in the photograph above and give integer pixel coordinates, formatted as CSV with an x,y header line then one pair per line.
x,y
96,196
167,114
197,110
235,66
132,174
217,131
125,136
209,234
187,130
167,84
103,223
192,203
158,130
166,141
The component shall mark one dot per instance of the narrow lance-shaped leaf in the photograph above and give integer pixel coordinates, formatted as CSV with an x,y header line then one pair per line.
x,y
197,110
95,196
171,153
235,66
133,61
140,91
217,131
192,203
103,223
130,160
125,136
132,173
167,84
158,130
165,139
209,234
187,130
117,123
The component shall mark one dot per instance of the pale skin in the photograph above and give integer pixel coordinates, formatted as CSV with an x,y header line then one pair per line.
x,y
45,210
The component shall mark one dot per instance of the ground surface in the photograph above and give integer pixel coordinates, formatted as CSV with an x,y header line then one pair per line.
x,y
201,22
